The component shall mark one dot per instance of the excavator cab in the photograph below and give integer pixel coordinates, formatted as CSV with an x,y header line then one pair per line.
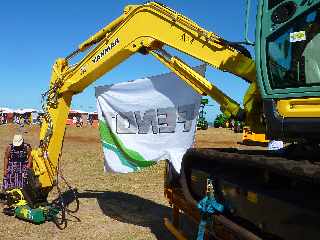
x,y
288,67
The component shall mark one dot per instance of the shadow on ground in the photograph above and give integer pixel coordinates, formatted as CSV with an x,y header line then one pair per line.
x,y
132,209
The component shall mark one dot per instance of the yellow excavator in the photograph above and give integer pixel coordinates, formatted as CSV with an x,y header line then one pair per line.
x,y
282,101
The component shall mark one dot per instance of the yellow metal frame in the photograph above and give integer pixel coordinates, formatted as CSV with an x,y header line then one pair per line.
x,y
302,107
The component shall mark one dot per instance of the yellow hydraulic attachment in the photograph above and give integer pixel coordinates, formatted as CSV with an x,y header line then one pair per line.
x,y
134,31
251,138
17,197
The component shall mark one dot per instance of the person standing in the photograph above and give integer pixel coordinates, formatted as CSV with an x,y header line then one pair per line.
x,y
74,121
17,160
3,118
81,122
21,121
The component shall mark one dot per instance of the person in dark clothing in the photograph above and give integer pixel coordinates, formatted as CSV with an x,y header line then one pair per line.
x,y
17,160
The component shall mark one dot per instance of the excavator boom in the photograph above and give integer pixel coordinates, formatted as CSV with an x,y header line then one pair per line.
x,y
133,32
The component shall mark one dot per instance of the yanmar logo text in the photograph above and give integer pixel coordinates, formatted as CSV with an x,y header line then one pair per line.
x,y
106,50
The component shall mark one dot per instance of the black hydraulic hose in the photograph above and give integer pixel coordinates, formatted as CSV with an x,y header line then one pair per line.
x,y
76,198
60,203
74,192
62,223
184,184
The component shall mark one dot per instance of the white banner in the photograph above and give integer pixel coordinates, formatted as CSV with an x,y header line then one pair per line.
x,y
147,120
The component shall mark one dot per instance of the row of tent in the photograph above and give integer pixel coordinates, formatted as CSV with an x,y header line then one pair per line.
x,y
30,113
18,111
30,110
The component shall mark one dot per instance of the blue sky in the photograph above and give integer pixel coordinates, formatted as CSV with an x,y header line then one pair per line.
x,y
35,33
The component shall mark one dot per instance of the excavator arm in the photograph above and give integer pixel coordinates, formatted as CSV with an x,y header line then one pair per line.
x,y
146,29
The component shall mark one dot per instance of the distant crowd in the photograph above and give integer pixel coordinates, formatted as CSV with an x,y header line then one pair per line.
x,y
77,121
226,122
36,119
20,119
3,119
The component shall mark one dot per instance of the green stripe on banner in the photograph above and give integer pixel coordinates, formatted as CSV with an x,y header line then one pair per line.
x,y
119,155
127,156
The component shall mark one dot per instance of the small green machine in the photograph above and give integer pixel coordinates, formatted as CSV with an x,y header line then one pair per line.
x,y
202,123
19,207
21,204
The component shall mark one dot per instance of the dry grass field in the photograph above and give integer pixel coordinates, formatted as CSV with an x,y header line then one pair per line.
x,y
112,206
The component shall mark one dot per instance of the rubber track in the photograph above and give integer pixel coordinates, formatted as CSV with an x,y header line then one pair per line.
x,y
302,169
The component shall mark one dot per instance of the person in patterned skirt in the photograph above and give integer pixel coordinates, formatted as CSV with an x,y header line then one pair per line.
x,y
17,160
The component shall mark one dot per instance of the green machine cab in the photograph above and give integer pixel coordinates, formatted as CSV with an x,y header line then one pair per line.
x,y
288,67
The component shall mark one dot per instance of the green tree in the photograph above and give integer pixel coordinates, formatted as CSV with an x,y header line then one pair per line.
x,y
220,120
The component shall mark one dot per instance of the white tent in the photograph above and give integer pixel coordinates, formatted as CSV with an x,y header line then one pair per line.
x,y
19,111
78,111
25,110
6,110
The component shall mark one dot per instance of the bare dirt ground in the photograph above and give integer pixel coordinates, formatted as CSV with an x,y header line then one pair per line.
x,y
112,206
